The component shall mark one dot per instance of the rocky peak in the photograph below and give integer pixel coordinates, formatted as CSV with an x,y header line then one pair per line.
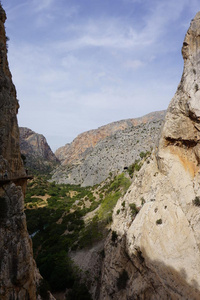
x,y
36,150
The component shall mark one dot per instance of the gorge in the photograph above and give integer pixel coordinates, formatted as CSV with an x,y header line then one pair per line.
x,y
133,233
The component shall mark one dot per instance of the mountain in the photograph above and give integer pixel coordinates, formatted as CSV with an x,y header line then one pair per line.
x,y
19,277
94,154
38,155
156,250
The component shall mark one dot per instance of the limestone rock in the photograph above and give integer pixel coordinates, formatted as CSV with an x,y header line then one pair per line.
x,y
90,158
9,132
159,247
38,153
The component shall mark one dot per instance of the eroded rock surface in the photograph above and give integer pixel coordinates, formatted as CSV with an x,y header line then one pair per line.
x,y
159,247
90,158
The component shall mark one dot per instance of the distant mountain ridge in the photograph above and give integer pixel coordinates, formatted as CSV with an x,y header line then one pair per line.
x,y
92,155
73,152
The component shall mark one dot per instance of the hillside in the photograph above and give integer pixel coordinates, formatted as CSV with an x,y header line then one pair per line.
x,y
94,154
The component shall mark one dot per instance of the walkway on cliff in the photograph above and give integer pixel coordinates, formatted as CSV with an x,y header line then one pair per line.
x,y
14,179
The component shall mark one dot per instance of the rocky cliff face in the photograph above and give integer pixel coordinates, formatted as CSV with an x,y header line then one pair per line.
x,y
39,155
157,252
90,158
18,273
9,133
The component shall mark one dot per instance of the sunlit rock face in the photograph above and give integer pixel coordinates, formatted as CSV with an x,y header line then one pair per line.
x,y
158,249
18,273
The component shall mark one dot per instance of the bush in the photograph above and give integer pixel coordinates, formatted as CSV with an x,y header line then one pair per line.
x,y
196,201
122,280
134,209
159,221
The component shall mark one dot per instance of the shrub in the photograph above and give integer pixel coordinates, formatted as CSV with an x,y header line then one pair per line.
x,y
159,221
122,280
134,209
142,154
142,201
196,201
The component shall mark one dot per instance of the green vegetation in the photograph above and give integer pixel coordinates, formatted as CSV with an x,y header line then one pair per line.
x,y
159,222
144,154
56,222
142,201
196,201
136,166
134,209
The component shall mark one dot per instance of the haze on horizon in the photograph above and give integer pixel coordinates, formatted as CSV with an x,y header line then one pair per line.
x,y
78,65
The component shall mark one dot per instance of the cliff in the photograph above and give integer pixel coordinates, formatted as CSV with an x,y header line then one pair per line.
x,y
156,254
94,154
19,278
38,154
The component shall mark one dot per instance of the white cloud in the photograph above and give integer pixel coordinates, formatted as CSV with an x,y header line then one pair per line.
x,y
134,64
78,72
42,5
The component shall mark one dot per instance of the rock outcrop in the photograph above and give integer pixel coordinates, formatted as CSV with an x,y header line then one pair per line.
x,y
18,273
94,154
157,252
38,154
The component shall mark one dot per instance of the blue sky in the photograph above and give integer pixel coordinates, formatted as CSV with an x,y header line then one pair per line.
x,y
81,64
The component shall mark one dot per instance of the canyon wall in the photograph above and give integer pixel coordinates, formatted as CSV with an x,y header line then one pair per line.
x,y
156,252
19,278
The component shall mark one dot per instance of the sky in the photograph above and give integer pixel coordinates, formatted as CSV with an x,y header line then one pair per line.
x,y
81,64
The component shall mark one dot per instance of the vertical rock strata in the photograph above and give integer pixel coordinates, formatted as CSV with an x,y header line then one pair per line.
x,y
17,268
157,252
